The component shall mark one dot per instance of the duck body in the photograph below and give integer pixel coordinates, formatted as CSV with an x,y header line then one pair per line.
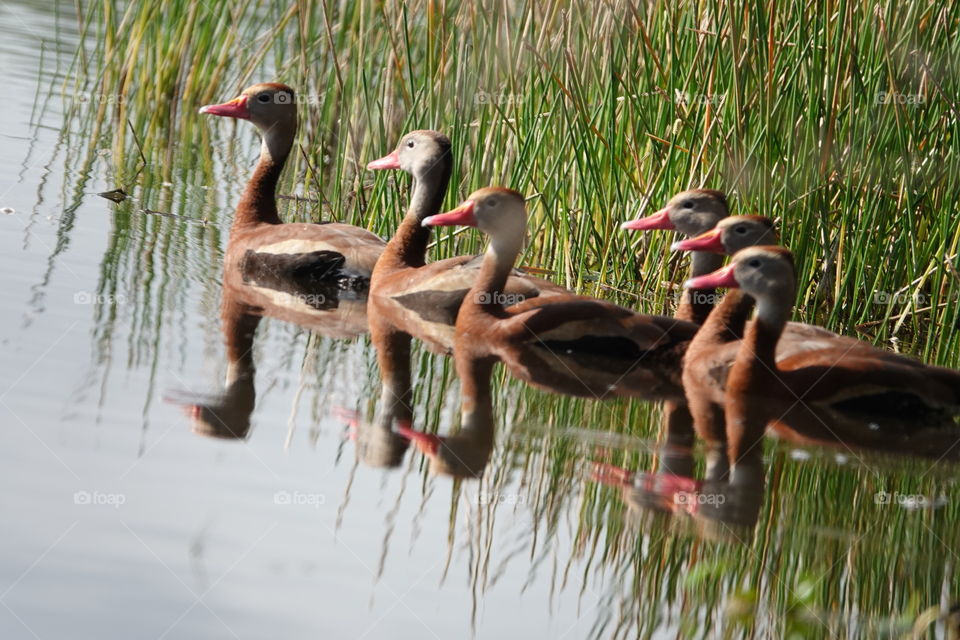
x,y
843,377
425,303
315,254
578,329
308,255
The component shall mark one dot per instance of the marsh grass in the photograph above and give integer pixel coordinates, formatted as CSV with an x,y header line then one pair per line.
x,y
598,112
839,118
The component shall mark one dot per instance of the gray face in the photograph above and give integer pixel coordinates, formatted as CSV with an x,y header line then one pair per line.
x,y
270,108
694,212
738,233
762,273
499,213
421,151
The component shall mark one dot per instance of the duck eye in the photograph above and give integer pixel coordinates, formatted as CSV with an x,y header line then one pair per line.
x,y
688,204
740,229
411,144
263,98
491,202
754,263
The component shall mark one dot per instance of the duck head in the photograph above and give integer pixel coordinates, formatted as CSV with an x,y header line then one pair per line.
x,y
690,212
497,211
418,153
732,235
766,273
271,107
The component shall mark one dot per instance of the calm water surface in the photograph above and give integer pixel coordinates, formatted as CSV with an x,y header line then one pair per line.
x,y
121,522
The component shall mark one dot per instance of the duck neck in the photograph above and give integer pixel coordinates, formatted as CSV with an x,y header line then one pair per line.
x,y
258,204
239,325
696,304
760,340
487,293
408,247
476,401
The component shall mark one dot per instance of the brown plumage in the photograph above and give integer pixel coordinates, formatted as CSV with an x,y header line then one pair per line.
x,y
846,376
423,299
574,327
331,252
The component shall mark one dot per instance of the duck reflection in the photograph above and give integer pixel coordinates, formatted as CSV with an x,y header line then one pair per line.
x,y
383,441
464,454
256,289
723,507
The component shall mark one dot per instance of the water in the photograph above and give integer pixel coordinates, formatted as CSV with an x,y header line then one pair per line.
x,y
122,522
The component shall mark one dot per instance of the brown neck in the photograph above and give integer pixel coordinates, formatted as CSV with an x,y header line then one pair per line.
x,y
408,247
258,204
761,337
756,360
487,294
696,304
239,326
476,401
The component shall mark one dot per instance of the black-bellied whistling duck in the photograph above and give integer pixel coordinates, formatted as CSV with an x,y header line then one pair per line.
x,y
490,320
849,376
303,253
424,297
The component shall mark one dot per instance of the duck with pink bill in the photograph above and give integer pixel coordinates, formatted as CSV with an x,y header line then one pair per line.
x,y
842,376
578,327
413,298
325,253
